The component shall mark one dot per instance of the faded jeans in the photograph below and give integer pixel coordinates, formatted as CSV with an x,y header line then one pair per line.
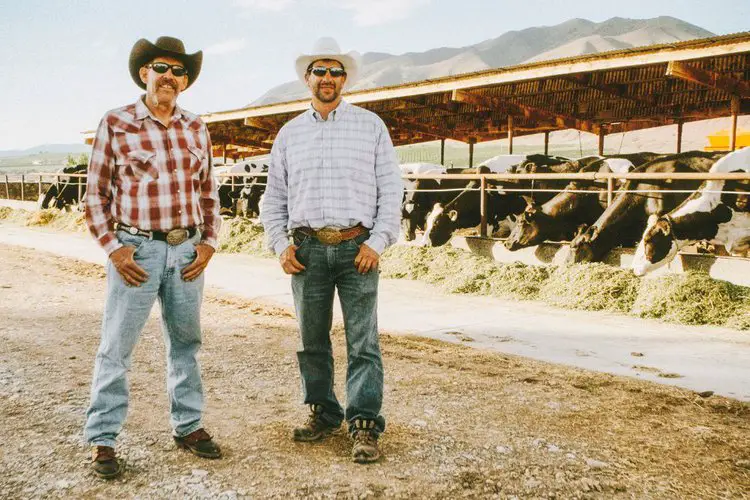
x,y
125,315
329,267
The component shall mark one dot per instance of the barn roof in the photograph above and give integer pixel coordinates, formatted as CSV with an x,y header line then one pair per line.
x,y
604,93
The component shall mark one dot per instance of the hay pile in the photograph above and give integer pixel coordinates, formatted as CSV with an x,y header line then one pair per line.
x,y
240,235
693,299
52,218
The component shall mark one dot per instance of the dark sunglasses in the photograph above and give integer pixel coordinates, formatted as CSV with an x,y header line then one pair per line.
x,y
321,71
162,68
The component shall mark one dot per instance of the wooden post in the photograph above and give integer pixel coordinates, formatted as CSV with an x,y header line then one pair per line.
x,y
7,188
483,208
471,153
610,189
733,131
510,134
679,137
546,143
224,153
23,179
442,152
40,184
601,140
80,190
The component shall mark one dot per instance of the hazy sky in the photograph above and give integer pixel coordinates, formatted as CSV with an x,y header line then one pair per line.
x,y
63,63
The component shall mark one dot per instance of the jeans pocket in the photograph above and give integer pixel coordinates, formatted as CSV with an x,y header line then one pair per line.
x,y
131,240
300,238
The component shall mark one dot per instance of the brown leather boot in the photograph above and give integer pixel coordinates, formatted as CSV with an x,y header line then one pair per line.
x,y
199,443
315,428
365,449
105,463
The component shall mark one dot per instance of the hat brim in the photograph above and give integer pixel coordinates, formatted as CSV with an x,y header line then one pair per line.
x,y
144,52
349,61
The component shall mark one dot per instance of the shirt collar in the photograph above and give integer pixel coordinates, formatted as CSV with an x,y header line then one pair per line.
x,y
142,111
334,115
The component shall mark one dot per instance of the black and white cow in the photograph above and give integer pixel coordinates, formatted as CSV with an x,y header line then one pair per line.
x,y
63,192
623,222
558,218
705,215
243,190
420,195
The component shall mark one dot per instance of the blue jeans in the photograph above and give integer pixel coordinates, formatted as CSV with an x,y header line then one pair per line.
x,y
125,315
330,267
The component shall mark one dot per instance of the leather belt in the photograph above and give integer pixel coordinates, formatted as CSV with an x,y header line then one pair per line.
x,y
173,237
333,236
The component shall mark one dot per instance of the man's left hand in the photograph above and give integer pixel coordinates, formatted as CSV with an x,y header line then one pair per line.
x,y
204,254
367,259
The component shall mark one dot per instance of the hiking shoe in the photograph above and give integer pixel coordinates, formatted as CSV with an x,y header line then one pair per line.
x,y
105,463
315,428
365,449
199,443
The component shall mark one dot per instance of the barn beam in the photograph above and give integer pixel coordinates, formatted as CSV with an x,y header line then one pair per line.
x,y
619,90
436,132
728,84
562,121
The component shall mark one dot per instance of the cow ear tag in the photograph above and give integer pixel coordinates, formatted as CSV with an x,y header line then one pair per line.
x,y
453,215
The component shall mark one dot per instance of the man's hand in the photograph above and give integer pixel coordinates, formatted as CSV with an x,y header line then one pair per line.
x,y
205,252
132,273
289,262
366,260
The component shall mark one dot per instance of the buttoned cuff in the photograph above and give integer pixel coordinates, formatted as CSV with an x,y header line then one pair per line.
x,y
377,243
280,245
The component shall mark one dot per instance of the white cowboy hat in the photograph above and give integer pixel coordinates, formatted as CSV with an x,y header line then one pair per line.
x,y
328,48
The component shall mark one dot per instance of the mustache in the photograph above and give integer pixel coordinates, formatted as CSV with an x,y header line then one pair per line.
x,y
166,81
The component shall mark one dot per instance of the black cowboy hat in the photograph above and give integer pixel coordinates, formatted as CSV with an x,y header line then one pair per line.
x,y
143,52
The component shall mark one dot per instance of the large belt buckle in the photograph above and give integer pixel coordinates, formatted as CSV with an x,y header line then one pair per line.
x,y
329,236
177,236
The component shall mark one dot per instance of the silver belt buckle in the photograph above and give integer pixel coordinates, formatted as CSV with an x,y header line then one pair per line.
x,y
177,236
133,230
329,236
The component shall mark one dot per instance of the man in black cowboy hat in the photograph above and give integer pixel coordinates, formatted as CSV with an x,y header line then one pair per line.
x,y
152,205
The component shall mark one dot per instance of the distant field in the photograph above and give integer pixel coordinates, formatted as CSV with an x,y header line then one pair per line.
x,y
43,162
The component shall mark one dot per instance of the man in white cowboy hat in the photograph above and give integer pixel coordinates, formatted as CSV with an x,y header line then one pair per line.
x,y
152,205
334,186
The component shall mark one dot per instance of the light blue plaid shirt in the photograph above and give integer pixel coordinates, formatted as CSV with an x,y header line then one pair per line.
x,y
338,172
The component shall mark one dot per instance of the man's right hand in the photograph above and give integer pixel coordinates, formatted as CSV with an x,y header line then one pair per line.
x,y
289,262
132,273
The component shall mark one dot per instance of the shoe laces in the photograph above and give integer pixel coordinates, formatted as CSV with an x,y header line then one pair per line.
x,y
365,437
103,453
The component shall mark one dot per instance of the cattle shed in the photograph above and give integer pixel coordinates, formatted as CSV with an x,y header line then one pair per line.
x,y
602,93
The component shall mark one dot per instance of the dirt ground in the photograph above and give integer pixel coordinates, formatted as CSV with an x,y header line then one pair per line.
x,y
462,423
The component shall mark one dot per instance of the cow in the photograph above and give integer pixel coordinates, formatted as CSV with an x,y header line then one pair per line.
x,y
462,210
623,222
705,215
243,188
559,218
63,192
420,195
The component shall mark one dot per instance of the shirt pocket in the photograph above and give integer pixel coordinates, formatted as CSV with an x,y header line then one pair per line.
x,y
141,165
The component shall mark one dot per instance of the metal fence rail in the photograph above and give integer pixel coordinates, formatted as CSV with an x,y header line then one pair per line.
x,y
604,177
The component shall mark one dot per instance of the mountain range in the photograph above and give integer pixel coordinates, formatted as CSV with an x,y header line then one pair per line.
x,y
575,37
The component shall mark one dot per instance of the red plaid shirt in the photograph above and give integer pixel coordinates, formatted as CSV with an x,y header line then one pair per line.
x,y
149,176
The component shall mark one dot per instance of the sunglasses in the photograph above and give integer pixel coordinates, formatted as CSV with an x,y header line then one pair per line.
x,y
321,71
162,68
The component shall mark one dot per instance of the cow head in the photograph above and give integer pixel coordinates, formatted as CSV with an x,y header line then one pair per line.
x,y
441,222
528,229
656,248
581,248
